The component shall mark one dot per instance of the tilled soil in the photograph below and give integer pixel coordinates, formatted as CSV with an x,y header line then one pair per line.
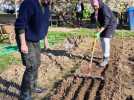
x,y
58,68
118,83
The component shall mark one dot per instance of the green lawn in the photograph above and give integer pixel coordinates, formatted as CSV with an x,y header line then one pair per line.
x,y
6,61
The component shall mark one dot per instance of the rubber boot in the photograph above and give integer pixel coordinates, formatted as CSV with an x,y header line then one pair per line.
x,y
105,62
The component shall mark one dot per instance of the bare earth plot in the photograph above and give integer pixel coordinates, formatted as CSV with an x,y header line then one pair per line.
x,y
58,66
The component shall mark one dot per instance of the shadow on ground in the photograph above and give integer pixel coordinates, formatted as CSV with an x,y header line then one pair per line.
x,y
5,88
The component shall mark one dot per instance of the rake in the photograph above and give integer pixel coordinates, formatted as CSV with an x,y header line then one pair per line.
x,y
86,68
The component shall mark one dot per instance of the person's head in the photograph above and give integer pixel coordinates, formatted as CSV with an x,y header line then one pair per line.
x,y
79,1
95,4
68,0
45,2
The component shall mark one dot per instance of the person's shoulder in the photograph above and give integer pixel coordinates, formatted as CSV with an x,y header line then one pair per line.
x,y
31,2
105,6
106,10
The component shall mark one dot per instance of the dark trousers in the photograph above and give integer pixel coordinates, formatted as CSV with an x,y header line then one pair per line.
x,y
32,62
79,15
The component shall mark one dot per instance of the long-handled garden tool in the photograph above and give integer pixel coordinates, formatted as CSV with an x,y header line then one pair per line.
x,y
122,38
87,68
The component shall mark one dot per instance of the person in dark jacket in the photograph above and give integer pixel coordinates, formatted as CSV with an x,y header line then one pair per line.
x,y
79,11
31,26
106,23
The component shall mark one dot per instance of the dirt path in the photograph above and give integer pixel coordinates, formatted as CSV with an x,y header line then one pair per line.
x,y
58,66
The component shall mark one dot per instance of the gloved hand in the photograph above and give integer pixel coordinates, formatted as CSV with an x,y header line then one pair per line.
x,y
98,35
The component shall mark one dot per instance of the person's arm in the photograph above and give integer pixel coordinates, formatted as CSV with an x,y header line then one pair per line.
x,y
24,48
76,7
82,5
25,13
100,30
46,44
107,17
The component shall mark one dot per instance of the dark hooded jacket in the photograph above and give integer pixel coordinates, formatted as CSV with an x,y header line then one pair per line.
x,y
107,20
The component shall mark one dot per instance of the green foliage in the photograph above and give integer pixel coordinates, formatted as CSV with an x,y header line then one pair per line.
x,y
122,6
86,13
124,33
7,60
55,37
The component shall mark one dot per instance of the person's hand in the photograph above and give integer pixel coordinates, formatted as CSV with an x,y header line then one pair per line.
x,y
97,29
24,48
98,35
